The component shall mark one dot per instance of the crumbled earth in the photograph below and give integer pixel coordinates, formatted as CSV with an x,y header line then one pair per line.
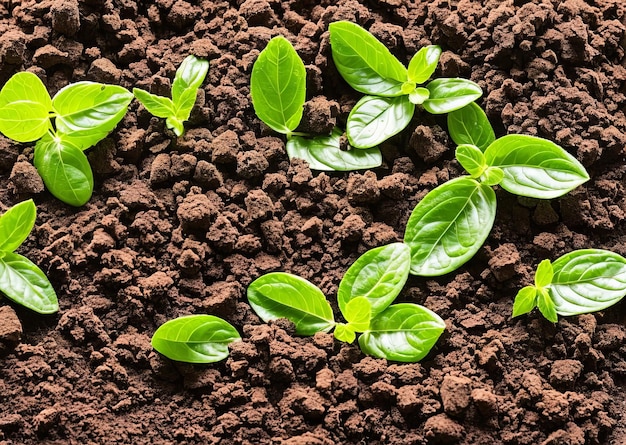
x,y
182,226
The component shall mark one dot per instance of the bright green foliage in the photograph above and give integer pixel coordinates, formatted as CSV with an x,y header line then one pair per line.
x,y
195,339
471,159
189,76
447,95
423,64
20,279
469,125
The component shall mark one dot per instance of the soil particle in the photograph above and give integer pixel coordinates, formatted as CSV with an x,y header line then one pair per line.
x,y
441,429
363,188
65,17
455,394
259,205
198,211
564,373
225,148
503,261
10,328
25,179
251,164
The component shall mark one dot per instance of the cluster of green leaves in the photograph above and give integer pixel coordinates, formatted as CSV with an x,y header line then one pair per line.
x,y
402,332
278,90
450,224
189,76
392,91
78,117
195,338
579,282
20,279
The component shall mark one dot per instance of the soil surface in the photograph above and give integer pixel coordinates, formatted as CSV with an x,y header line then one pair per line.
x,y
182,226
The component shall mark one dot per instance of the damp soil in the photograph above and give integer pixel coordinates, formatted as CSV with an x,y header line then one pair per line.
x,y
182,226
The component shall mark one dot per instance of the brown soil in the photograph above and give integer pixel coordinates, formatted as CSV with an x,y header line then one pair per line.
x,y
183,226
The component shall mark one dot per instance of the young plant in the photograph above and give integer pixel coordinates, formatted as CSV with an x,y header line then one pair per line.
x,y
579,282
278,90
20,279
79,116
189,76
392,91
195,339
402,332
450,224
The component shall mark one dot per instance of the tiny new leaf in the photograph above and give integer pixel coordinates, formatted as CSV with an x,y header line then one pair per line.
x,y
546,306
344,332
525,301
424,63
24,283
471,159
544,274
375,119
469,125
447,95
16,224
358,313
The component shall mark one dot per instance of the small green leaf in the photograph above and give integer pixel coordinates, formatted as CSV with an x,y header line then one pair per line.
x,y
64,169
358,313
344,333
469,125
156,105
378,275
195,339
525,301
424,63
544,274
546,306
324,153
408,87
403,332
16,224
447,95
282,295
24,283
25,107
449,225
364,62
189,76
492,176
278,86
535,167
471,159
375,119
419,96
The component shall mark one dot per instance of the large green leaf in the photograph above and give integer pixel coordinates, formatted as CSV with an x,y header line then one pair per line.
x,y
403,332
282,295
378,275
374,119
25,107
535,167
16,224
278,86
470,125
587,280
449,225
195,339
324,153
64,169
23,282
447,95
364,62
424,63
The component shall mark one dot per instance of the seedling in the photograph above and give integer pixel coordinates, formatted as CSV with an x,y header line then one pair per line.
x,y
20,279
402,332
79,116
195,339
392,91
189,76
579,282
278,90
450,224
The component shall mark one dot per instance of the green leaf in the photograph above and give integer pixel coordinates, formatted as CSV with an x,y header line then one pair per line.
x,y
546,306
525,301
419,96
491,176
471,159
535,167
24,283
88,111
424,63
375,119
64,169
403,332
447,95
16,224
358,313
278,86
25,107
364,62
195,339
156,105
449,225
189,76
344,333
378,275
587,280
324,153
282,295
544,274
469,125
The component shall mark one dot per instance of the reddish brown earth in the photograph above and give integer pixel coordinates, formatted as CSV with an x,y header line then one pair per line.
x,y
183,226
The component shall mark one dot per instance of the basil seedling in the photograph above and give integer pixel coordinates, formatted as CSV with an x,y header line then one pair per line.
x,y
189,76
450,224
392,91
278,90
78,117
403,332
579,282
20,279
195,339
